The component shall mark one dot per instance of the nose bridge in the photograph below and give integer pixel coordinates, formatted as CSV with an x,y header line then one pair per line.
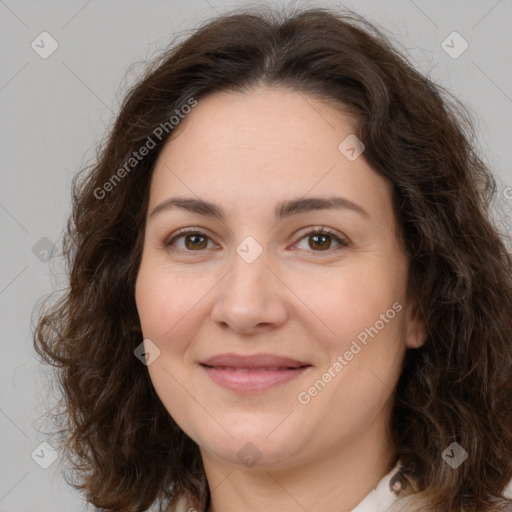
x,y
249,278
249,294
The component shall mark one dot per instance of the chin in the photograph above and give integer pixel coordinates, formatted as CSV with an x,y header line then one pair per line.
x,y
263,446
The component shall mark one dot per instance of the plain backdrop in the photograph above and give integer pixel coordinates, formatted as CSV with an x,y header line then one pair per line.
x,y
55,110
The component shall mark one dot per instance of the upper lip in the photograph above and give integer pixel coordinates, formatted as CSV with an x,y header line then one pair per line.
x,y
254,361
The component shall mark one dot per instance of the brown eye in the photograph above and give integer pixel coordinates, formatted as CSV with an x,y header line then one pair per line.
x,y
321,240
193,241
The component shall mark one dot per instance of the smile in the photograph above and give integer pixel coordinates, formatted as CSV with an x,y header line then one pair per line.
x,y
251,380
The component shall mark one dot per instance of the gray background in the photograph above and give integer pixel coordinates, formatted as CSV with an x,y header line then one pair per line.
x,y
54,111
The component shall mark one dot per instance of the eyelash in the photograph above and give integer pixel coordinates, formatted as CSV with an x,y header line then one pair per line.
x,y
317,231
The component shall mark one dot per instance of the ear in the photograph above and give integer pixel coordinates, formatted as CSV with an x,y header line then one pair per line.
x,y
415,325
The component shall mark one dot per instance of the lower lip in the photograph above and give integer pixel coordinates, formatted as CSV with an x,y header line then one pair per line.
x,y
251,381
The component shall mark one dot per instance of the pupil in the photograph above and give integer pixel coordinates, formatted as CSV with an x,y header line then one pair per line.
x,y
316,237
193,244
193,240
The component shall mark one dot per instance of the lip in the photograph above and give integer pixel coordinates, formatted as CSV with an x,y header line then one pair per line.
x,y
252,373
253,361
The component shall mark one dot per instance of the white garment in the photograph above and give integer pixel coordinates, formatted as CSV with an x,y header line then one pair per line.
x,y
377,500
380,498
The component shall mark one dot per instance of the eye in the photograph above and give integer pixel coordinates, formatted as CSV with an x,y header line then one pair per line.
x,y
321,239
194,240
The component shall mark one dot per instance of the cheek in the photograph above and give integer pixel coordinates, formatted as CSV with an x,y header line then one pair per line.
x,y
165,308
371,333
364,314
352,303
172,307
150,299
163,301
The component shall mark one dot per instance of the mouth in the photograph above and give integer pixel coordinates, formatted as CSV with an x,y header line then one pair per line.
x,y
266,369
257,373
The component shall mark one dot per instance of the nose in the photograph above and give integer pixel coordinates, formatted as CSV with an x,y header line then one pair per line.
x,y
251,297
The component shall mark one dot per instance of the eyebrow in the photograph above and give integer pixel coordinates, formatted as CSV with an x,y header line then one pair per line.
x,y
282,210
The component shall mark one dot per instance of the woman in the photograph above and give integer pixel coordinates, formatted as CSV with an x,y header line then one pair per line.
x,y
285,289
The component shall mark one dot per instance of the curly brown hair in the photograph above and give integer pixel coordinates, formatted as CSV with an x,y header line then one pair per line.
x,y
123,444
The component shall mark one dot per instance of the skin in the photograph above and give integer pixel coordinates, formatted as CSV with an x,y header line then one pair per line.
x,y
246,152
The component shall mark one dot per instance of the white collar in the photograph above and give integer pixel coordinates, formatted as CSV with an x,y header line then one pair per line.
x,y
381,497
377,500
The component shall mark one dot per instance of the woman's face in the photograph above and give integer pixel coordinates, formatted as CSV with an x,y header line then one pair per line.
x,y
257,279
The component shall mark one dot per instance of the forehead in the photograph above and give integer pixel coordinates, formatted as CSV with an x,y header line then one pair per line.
x,y
267,144
264,115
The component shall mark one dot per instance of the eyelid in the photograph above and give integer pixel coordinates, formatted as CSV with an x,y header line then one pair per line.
x,y
322,230
308,231
186,231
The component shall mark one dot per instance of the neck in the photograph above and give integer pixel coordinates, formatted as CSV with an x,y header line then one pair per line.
x,y
335,481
